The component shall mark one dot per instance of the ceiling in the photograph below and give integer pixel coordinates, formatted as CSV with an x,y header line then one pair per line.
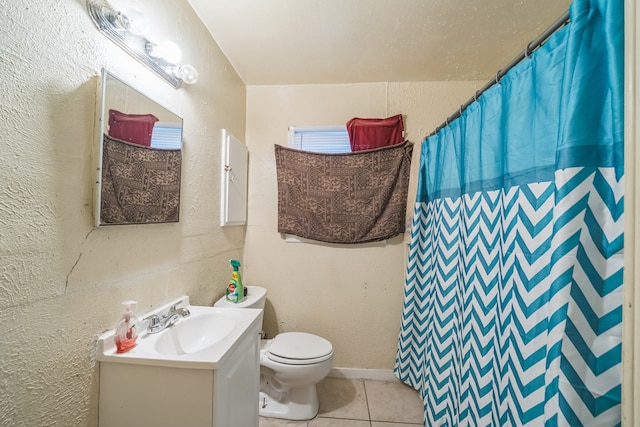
x,y
348,41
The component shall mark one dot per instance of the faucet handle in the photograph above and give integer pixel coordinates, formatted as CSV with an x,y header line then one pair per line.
x,y
154,322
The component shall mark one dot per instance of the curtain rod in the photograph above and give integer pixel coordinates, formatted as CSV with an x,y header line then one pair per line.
x,y
559,23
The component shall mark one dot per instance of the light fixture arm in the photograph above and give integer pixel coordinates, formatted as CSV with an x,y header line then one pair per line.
x,y
115,26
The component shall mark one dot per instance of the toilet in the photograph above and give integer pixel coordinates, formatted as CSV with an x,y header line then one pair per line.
x,y
291,364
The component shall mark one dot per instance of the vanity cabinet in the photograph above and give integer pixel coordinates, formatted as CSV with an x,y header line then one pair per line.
x,y
236,385
147,395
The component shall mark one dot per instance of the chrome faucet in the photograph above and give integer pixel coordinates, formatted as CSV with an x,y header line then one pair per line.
x,y
159,323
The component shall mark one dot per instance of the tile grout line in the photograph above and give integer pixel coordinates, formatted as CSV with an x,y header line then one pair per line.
x,y
366,398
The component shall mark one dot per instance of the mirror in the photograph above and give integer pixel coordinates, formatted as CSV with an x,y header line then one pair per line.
x,y
139,155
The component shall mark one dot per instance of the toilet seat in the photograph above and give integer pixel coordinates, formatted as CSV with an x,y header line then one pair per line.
x,y
299,348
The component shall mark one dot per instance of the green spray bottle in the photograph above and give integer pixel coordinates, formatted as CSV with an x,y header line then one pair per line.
x,y
235,290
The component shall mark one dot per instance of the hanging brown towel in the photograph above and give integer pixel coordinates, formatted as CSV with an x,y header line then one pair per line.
x,y
139,184
343,198
366,134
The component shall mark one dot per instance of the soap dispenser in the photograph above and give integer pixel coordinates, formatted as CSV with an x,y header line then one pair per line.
x,y
126,331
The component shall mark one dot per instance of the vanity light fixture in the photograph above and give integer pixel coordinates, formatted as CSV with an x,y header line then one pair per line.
x,y
167,51
124,30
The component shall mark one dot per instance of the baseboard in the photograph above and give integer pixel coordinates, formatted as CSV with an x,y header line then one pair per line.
x,y
364,374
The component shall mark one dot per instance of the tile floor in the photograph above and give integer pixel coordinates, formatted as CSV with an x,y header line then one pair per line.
x,y
361,403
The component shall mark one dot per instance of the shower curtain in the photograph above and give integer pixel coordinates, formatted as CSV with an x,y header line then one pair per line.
x,y
513,296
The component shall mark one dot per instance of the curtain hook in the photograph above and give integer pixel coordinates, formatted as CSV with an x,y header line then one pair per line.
x,y
475,95
498,76
527,50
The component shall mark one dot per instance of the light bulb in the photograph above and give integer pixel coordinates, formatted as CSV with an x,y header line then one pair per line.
x,y
187,73
119,20
136,23
168,51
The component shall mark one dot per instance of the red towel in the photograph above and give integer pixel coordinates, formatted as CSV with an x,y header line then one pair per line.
x,y
135,128
365,134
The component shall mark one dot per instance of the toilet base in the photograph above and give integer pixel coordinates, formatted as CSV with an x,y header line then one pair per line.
x,y
299,403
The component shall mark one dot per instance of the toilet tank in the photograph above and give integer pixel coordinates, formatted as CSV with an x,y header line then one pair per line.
x,y
256,297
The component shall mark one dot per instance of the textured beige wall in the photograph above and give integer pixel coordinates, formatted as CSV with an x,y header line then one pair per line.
x,y
349,294
61,279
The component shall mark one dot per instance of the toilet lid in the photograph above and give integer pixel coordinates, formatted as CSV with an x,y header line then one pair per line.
x,y
300,346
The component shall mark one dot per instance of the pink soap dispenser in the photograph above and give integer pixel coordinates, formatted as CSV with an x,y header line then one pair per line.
x,y
126,331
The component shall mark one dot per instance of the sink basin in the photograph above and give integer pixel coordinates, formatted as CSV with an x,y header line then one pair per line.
x,y
195,333
201,341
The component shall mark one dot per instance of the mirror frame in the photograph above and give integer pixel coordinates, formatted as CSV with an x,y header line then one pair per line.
x,y
105,102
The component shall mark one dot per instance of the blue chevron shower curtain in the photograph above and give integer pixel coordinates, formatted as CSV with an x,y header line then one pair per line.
x,y
513,297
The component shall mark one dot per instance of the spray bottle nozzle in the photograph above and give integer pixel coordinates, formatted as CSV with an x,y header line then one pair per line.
x,y
235,264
